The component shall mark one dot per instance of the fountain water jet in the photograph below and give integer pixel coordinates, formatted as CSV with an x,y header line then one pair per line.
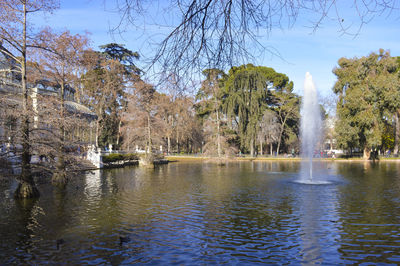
x,y
310,126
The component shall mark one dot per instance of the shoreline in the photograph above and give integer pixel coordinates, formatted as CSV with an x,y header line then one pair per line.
x,y
177,158
182,158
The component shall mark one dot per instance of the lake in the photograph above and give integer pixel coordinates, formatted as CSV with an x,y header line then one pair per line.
x,y
202,213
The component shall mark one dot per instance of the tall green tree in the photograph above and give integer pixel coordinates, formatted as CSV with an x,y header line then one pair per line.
x,y
368,97
392,96
110,74
248,91
125,56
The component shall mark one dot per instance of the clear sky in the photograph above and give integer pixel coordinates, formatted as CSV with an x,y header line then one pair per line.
x,y
300,49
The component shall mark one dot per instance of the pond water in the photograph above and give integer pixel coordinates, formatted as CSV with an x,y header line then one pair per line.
x,y
201,213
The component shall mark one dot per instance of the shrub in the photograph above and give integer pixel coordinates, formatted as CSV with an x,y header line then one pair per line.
x,y
113,157
131,156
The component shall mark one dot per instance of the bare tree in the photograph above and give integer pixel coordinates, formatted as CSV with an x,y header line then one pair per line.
x,y
15,33
142,123
183,116
167,107
55,136
175,105
286,105
223,33
57,62
269,130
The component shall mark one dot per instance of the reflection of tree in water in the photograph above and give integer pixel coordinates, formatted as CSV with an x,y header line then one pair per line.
x,y
210,213
251,219
281,167
89,218
25,230
59,196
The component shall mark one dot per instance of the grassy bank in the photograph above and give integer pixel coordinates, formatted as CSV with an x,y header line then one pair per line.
x,y
201,158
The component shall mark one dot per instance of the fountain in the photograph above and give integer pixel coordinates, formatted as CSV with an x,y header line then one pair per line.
x,y
310,128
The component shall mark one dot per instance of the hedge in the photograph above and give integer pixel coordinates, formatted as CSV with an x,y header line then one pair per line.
x,y
113,157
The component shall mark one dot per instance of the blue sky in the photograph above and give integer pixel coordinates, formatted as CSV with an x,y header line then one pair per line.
x,y
300,49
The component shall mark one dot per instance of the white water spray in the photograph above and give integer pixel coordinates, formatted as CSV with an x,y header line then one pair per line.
x,y
310,126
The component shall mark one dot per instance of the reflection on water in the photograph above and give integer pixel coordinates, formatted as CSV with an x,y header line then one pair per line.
x,y
93,184
371,226
201,213
317,209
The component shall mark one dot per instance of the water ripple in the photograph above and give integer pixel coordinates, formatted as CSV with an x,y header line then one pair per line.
x,y
204,214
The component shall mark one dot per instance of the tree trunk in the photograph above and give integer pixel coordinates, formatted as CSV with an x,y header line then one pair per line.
x,y
271,148
90,133
149,144
119,132
397,133
261,147
60,176
26,188
366,153
98,126
280,135
218,137
169,145
252,148
279,140
97,132
177,141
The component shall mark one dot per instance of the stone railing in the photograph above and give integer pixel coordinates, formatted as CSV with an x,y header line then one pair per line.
x,y
94,156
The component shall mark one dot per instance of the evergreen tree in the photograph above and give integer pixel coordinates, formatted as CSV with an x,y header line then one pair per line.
x,y
368,90
109,75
